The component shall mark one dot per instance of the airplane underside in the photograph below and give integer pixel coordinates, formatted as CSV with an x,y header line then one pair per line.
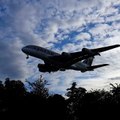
x,y
47,68
51,68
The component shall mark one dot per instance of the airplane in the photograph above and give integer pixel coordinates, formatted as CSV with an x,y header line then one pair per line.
x,y
53,61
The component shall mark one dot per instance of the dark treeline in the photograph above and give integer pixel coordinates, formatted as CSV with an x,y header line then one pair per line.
x,y
17,102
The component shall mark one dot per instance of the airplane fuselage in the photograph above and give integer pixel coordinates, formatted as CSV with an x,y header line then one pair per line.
x,y
46,55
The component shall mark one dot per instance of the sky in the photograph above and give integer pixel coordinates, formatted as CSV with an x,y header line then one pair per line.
x,y
60,25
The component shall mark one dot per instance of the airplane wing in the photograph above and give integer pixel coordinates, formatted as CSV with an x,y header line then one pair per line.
x,y
68,59
102,49
86,53
95,51
96,66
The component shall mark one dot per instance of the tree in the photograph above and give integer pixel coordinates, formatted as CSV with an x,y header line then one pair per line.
x,y
115,89
56,107
14,88
75,96
38,87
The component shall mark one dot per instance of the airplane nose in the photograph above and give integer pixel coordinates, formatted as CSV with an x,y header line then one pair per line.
x,y
23,49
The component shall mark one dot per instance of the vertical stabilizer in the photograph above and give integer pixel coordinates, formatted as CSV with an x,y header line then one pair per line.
x,y
88,61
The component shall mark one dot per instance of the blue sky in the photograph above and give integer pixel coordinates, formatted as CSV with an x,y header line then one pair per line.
x,y
60,25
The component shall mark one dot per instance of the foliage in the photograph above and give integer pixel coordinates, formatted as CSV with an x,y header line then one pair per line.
x,y
38,87
38,103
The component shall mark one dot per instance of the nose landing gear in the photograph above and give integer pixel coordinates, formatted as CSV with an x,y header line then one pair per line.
x,y
27,57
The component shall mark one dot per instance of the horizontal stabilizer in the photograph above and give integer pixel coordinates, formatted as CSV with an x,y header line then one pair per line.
x,y
96,66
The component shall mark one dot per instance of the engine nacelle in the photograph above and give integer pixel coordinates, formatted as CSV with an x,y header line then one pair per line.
x,y
42,67
46,68
89,52
65,54
85,50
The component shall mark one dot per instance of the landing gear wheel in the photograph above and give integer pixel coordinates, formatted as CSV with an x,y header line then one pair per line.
x,y
27,57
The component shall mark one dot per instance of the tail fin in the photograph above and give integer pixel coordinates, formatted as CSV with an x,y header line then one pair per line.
x,y
96,66
88,61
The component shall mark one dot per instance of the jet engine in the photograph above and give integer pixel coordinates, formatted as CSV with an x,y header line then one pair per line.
x,y
46,68
42,67
65,54
89,52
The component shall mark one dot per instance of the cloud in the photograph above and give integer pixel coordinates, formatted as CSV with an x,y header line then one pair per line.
x,y
11,63
83,36
66,25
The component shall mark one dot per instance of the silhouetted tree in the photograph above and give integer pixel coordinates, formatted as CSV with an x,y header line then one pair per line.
x,y
115,100
74,92
74,95
2,94
38,87
1,89
115,89
14,92
14,88
79,104
56,107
